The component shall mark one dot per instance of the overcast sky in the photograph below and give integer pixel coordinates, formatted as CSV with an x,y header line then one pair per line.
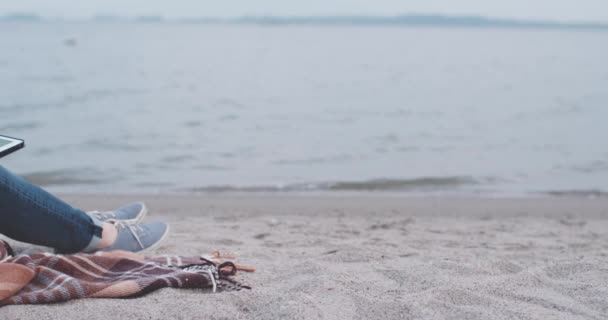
x,y
565,10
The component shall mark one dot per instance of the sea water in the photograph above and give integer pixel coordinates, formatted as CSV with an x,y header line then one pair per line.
x,y
147,107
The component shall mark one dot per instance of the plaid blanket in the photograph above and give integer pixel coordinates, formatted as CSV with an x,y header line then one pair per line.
x,y
47,278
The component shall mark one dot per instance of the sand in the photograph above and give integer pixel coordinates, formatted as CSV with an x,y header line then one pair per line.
x,y
374,256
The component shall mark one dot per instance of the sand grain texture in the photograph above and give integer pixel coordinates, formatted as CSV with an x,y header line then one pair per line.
x,y
374,256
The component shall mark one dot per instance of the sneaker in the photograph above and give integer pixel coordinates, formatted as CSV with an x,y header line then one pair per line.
x,y
131,213
138,237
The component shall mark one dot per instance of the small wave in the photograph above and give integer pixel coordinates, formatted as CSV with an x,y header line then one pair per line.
x,y
210,167
62,178
578,193
20,126
416,184
230,188
179,158
423,183
592,167
315,160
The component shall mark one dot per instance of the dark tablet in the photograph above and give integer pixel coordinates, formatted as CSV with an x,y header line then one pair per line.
x,y
9,145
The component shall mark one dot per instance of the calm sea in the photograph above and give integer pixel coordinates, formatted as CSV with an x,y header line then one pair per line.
x,y
136,107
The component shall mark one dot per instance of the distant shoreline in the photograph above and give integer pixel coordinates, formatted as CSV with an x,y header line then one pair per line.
x,y
397,20
458,186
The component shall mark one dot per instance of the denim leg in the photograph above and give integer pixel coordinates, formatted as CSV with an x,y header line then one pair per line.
x,y
30,214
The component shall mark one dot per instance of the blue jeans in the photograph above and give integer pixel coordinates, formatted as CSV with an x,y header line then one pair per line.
x,y
30,214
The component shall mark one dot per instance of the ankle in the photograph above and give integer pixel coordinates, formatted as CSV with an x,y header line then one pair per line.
x,y
108,236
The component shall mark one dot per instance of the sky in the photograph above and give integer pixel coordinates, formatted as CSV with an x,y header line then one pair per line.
x,y
559,10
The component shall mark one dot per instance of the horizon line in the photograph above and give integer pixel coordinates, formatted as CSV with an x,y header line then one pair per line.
x,y
411,19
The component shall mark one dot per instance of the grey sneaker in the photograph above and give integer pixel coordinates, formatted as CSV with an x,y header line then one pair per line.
x,y
138,237
131,213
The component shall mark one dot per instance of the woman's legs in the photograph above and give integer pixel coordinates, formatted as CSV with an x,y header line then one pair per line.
x,y
32,215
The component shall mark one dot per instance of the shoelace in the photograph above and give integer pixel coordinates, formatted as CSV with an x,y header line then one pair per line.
x,y
133,228
106,215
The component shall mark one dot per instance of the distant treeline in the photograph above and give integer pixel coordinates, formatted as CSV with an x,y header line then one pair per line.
x,y
401,20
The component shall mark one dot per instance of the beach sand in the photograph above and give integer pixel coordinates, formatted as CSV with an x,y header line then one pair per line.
x,y
373,256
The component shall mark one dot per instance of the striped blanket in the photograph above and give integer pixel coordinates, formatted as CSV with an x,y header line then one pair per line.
x,y
48,278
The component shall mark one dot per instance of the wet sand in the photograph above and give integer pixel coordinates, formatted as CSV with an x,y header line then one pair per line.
x,y
373,256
